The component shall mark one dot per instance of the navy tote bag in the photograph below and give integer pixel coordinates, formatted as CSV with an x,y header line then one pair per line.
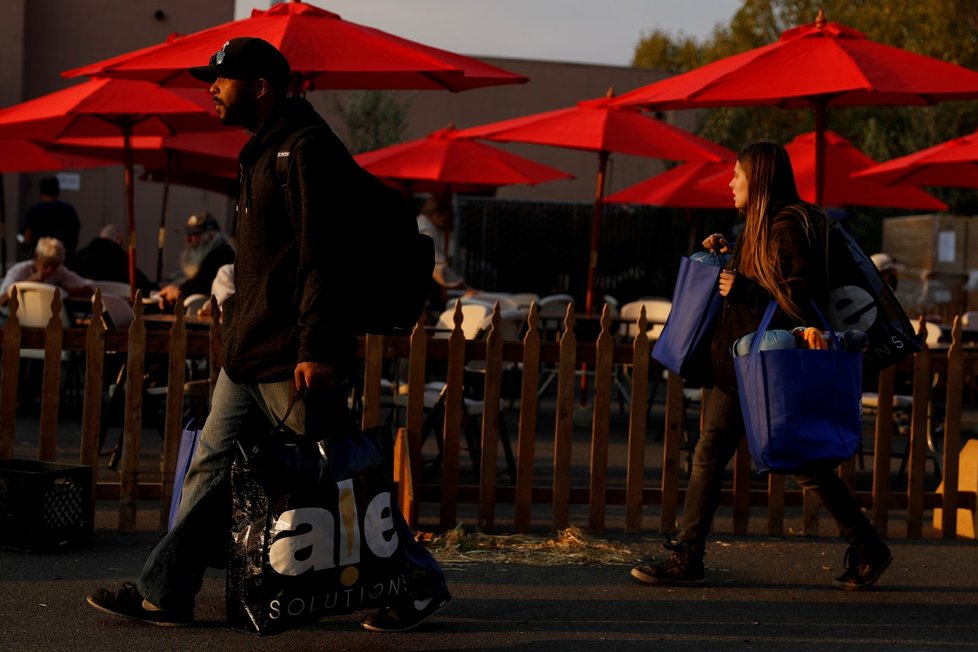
x,y
683,346
800,406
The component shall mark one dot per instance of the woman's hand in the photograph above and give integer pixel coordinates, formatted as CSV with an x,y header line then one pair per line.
x,y
716,242
726,281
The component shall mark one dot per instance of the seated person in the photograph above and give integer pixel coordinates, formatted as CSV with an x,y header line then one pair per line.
x,y
47,266
221,289
436,214
105,259
206,251
889,268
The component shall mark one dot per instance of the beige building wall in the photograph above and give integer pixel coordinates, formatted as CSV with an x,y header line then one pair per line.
x,y
41,38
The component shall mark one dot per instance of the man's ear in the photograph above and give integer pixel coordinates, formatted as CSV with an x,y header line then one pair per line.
x,y
261,88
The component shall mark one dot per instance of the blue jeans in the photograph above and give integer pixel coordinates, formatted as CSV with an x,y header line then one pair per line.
x,y
174,571
723,428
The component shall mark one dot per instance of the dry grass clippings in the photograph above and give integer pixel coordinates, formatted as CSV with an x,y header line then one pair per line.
x,y
570,546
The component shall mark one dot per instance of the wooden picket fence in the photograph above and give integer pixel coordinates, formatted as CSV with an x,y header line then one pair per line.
x,y
953,370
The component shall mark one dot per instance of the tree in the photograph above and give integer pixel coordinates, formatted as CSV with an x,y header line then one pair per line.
x,y
943,29
374,119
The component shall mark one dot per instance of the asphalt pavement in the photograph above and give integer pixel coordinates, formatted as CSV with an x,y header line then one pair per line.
x,y
761,594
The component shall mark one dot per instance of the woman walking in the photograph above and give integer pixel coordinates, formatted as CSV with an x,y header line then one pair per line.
x,y
781,256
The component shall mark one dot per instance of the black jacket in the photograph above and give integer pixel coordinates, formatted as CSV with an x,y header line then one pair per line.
x,y
802,254
291,302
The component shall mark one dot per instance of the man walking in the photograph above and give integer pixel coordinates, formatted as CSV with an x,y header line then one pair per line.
x,y
286,328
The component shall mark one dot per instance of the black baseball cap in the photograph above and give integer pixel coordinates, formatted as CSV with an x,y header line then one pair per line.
x,y
246,57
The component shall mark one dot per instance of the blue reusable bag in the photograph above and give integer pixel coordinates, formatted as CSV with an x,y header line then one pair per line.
x,y
683,346
188,444
800,406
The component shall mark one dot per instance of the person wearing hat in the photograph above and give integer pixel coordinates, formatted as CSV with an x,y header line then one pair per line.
x,y
889,268
288,331
207,249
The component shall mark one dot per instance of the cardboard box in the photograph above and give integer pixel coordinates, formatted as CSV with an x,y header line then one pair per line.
x,y
932,293
929,243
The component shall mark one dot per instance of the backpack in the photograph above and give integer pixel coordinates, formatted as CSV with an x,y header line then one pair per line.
x,y
393,272
860,299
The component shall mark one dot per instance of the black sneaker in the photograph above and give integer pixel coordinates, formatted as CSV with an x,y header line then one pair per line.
x,y
405,616
128,603
864,563
683,567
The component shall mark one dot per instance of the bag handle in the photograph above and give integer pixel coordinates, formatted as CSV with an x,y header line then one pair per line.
x,y
755,345
280,426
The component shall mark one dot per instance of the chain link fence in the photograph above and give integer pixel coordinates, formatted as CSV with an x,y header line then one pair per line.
x,y
542,247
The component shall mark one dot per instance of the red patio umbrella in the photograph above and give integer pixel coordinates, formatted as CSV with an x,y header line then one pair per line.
x,y
679,187
111,108
813,66
598,126
26,156
206,160
953,163
324,51
442,162
843,161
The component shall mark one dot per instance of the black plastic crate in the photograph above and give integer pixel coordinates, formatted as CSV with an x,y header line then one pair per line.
x,y
44,505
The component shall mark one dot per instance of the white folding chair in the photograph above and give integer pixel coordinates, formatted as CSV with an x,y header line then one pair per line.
x,y
34,311
476,321
114,288
524,299
116,312
656,313
194,303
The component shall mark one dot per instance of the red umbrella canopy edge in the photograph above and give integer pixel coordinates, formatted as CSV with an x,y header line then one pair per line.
x,y
323,50
953,163
444,159
842,161
843,189
100,107
821,60
596,125
680,188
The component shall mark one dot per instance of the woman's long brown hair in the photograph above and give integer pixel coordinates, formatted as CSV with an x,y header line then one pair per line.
x,y
770,189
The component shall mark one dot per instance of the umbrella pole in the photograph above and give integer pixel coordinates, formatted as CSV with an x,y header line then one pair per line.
x,y
130,206
3,228
593,258
161,238
820,119
595,232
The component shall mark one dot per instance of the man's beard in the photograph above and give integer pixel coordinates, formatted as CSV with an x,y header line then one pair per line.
x,y
191,258
241,113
